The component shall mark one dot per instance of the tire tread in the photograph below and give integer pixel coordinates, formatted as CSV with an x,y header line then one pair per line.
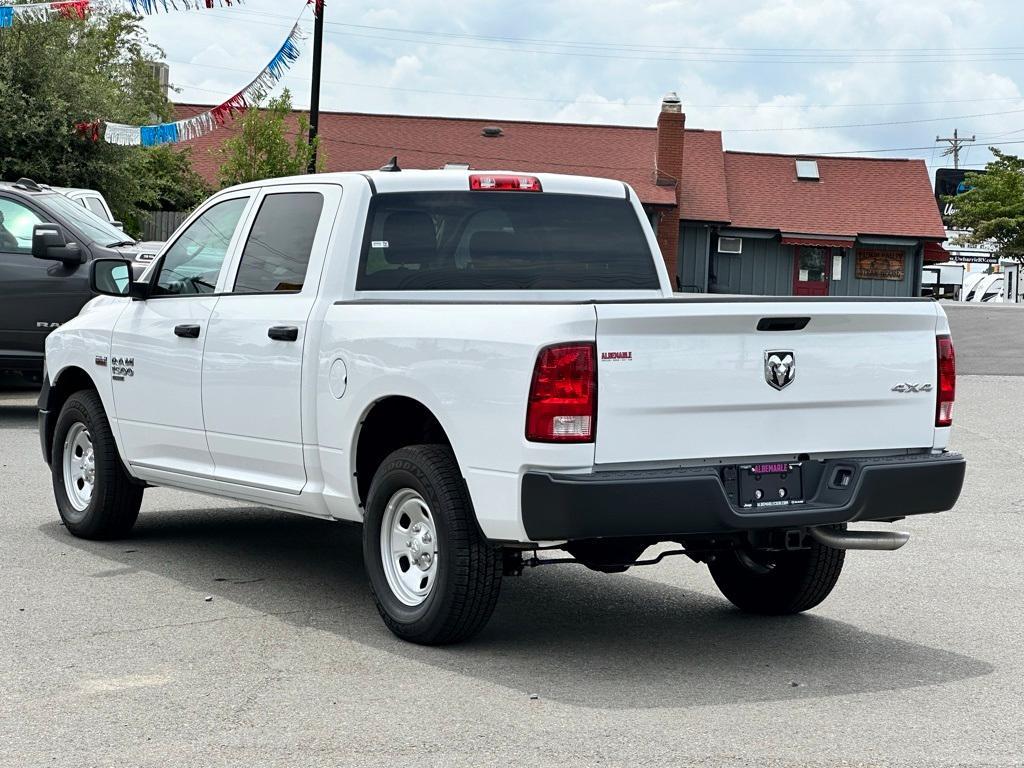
x,y
116,507
475,579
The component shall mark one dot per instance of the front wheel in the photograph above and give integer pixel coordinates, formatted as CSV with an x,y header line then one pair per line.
x,y
776,583
434,577
95,496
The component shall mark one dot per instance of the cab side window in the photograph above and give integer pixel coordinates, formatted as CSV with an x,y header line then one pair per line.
x,y
192,265
16,223
276,255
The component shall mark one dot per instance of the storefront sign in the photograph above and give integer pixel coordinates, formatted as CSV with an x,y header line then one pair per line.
x,y
878,264
973,258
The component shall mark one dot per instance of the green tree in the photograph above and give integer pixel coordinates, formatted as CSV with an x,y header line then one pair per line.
x,y
56,74
269,143
172,183
992,210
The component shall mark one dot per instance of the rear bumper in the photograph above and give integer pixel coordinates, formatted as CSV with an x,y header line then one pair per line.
x,y
693,502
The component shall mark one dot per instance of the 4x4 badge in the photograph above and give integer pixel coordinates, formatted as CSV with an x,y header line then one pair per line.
x,y
779,367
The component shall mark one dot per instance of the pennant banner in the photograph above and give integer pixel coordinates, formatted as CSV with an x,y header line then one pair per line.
x,y
79,9
205,122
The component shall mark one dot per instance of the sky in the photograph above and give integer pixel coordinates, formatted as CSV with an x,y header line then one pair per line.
x,y
795,76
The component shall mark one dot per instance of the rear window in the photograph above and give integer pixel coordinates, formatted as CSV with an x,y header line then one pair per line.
x,y
418,241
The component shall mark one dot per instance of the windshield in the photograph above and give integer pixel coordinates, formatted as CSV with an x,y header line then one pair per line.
x,y
97,230
504,241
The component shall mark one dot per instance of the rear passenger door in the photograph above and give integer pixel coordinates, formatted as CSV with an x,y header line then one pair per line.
x,y
253,366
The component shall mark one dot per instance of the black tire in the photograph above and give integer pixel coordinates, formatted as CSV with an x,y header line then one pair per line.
x,y
778,583
114,504
469,568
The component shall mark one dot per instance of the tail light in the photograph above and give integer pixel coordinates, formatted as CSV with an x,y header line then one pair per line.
x,y
947,381
504,183
563,395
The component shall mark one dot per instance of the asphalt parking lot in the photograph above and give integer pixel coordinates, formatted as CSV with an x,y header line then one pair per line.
x,y
113,655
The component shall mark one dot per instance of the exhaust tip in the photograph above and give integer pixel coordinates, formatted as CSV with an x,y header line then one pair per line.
x,y
877,540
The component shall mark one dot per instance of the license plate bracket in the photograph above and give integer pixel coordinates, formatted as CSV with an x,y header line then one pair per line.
x,y
763,486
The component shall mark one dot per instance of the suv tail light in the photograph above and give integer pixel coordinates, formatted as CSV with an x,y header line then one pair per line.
x,y
563,395
504,183
947,381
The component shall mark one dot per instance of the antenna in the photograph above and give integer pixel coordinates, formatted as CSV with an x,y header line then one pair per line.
x,y
392,166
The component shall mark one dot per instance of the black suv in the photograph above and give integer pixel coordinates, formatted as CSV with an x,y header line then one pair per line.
x,y
46,244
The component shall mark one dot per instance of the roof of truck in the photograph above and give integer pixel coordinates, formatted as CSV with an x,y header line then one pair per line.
x,y
455,180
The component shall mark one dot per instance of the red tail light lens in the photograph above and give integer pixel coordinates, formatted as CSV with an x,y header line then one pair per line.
x,y
947,382
504,183
563,396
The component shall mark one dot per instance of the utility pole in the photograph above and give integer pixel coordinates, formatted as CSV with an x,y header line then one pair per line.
x,y
955,143
314,96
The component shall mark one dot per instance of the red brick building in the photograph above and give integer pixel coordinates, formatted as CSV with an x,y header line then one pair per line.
x,y
728,222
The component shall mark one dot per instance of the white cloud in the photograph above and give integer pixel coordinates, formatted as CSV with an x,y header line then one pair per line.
x,y
635,52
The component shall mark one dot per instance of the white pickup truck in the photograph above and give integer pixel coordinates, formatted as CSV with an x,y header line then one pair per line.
x,y
478,366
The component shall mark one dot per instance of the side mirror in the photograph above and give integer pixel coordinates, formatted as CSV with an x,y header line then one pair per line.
x,y
118,224
50,242
113,277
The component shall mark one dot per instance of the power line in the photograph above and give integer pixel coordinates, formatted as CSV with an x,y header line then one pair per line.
x,y
694,56
904,149
604,102
759,130
610,45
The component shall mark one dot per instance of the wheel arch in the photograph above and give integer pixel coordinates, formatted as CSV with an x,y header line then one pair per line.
x,y
388,424
52,397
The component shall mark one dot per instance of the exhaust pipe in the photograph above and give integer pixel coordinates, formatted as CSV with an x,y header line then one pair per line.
x,y
837,539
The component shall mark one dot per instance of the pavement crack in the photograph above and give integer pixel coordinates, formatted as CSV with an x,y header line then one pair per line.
x,y
201,622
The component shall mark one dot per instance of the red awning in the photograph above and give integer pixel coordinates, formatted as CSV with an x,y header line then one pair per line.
x,y
935,253
816,242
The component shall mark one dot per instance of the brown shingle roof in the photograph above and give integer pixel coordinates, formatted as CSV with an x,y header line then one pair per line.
x,y
702,195
359,142
856,196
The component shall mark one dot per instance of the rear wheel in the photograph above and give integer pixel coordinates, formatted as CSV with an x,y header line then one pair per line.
x,y
95,496
775,583
434,576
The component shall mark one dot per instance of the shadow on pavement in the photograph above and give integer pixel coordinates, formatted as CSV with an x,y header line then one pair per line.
x,y
564,633
19,416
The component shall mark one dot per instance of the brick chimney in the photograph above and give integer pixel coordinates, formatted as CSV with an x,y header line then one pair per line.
x,y
671,135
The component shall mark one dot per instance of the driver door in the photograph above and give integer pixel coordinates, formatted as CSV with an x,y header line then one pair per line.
x,y
156,355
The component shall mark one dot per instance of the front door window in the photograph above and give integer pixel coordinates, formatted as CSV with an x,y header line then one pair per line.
x,y
811,273
812,265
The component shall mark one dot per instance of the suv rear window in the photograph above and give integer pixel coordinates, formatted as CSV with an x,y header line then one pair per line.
x,y
438,241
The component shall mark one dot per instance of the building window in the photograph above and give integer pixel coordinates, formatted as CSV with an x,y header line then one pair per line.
x,y
807,170
730,245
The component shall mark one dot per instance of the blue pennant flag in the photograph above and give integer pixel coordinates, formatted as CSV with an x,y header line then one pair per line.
x,y
165,133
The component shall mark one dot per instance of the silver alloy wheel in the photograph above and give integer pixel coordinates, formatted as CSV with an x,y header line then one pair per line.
x,y
79,466
408,547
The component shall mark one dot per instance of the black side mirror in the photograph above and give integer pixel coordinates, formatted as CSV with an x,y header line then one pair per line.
x,y
114,277
50,242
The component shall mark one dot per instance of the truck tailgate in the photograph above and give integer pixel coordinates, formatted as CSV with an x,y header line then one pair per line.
x,y
687,380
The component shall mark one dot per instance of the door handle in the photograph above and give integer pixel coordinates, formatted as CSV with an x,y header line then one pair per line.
x,y
284,333
187,331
